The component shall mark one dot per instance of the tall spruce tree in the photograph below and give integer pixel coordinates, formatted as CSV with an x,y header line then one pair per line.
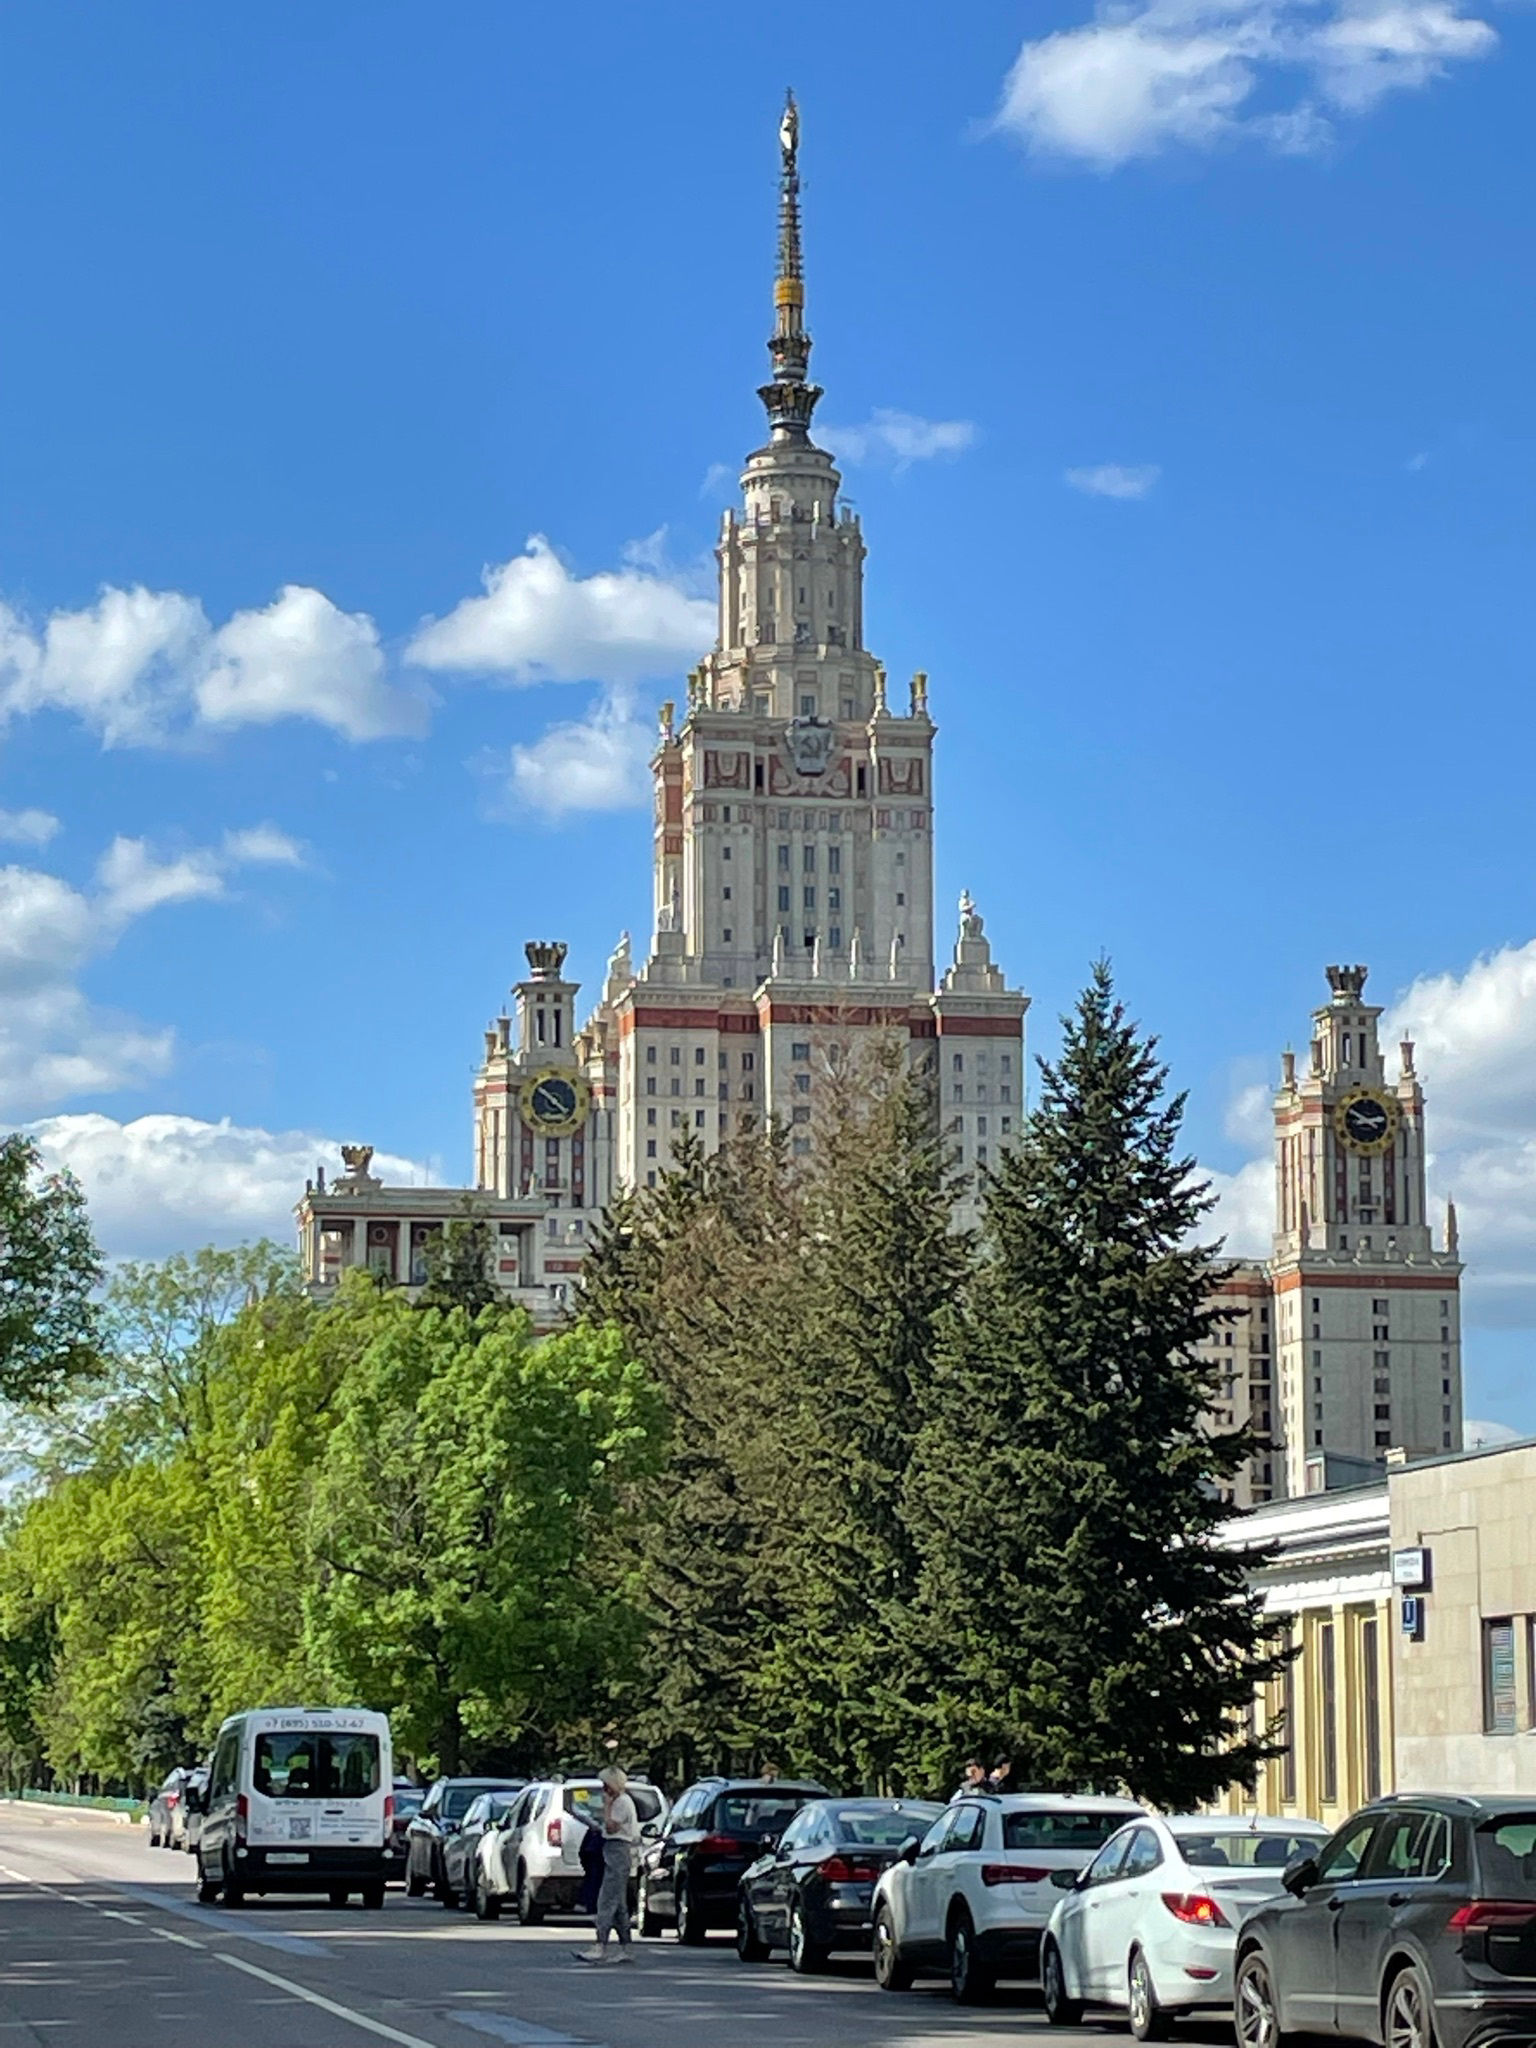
x,y
1065,1491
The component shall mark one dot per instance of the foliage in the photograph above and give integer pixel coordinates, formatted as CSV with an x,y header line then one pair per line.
x,y
49,1269
460,1263
1065,1490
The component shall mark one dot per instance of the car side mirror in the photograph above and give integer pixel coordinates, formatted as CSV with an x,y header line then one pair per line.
x,y
909,1848
1065,1880
1299,1875
649,1830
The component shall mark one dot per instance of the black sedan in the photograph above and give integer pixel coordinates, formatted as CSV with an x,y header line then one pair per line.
x,y
690,1874
1414,1925
463,1882
812,1892
441,1812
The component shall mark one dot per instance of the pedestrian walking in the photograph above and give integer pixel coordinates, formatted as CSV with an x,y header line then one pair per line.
x,y
621,1837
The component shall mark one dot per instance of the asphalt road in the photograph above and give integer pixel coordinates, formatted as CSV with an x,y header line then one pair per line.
x,y
102,1943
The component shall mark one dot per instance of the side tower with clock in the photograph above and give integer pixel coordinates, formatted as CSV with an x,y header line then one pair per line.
x,y
1367,1306
543,1117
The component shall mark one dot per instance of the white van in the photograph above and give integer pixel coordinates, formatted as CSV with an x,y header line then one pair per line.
x,y
299,1799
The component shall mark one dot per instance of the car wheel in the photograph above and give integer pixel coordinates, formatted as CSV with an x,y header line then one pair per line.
x,y
690,1921
1149,2022
969,1980
892,1971
487,1905
805,1955
649,1919
529,1911
1060,2010
1255,2013
447,1896
1408,2019
750,1945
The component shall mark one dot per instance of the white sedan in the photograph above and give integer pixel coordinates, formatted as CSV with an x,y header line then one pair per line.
x,y
1151,1925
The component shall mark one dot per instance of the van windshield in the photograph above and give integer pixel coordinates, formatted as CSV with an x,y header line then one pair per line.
x,y
315,1765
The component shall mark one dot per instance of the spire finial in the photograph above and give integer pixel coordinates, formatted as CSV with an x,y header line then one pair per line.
x,y
789,398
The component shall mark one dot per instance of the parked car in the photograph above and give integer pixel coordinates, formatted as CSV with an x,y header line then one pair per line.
x,y
689,1875
194,1806
463,1880
813,1891
1150,1927
535,1860
974,1895
435,1820
408,1803
1415,1924
167,1810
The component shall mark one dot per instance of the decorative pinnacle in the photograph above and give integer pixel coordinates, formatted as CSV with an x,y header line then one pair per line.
x,y
790,398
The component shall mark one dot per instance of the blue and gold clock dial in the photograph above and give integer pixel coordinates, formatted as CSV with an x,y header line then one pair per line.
x,y
1365,1121
555,1101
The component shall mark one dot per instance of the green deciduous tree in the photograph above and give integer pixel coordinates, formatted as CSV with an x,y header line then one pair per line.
x,y
1065,1494
49,1269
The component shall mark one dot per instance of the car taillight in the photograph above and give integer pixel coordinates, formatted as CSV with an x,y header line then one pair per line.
x,y
722,1845
173,1799
552,1832
1012,1873
1491,1913
1195,1909
242,1815
838,1870
389,1811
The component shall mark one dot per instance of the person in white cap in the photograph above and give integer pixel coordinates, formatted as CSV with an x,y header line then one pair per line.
x,y
621,1837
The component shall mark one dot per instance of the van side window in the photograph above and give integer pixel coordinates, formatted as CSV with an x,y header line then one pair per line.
x,y
225,1758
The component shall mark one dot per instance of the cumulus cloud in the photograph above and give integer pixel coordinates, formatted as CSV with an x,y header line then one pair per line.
x,y
896,440
1114,479
1144,77
170,1183
146,668
55,1043
540,623
595,763
27,828
1244,1215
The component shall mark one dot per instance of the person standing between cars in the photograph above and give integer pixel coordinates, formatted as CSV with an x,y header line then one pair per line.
x,y
973,1779
621,1837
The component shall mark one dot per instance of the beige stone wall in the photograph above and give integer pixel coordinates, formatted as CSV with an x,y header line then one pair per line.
x,y
1476,1515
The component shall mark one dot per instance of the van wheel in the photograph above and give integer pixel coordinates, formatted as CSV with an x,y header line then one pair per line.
x,y
338,1898
234,1894
207,1887
1060,2010
373,1897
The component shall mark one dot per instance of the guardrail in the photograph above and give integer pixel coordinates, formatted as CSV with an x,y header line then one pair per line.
x,y
98,1802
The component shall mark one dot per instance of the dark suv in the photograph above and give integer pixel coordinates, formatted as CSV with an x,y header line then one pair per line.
x,y
1415,1925
720,1825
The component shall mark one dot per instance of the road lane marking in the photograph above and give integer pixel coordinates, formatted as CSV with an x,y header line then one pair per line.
x,y
519,2033
337,2012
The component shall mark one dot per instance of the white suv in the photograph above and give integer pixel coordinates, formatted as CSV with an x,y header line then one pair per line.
x,y
973,1897
534,1859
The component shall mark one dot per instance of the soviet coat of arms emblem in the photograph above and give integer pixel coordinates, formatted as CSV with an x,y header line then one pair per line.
x,y
810,742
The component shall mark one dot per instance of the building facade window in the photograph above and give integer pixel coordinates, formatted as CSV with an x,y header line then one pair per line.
x,y
1500,1709
1328,1713
1370,1702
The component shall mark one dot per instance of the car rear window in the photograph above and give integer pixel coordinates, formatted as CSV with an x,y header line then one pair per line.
x,y
756,1813
314,1765
1506,1856
1244,1850
887,1830
587,1801
457,1801
1045,1827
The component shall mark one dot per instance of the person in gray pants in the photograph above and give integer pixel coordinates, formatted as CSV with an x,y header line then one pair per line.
x,y
621,1837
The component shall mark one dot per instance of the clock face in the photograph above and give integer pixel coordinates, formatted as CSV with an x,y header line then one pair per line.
x,y
1366,1122
555,1102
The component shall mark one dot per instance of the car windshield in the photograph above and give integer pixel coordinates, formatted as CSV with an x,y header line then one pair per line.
x,y
1246,1849
1046,1827
457,1801
586,1801
408,1798
1506,1856
315,1765
767,1812
883,1828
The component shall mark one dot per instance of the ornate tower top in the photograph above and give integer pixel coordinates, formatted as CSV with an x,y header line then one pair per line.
x,y
1347,983
546,957
789,398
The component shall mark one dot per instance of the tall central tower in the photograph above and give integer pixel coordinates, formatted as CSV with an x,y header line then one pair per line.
x,y
793,828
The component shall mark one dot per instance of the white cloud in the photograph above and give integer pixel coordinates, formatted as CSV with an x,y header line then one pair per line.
x,y
304,658
537,622
1142,77
1481,1435
1114,479
54,1043
1245,1209
716,478
595,763
170,1183
27,828
897,439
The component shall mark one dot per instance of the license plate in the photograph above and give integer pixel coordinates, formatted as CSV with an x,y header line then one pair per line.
x,y
289,1856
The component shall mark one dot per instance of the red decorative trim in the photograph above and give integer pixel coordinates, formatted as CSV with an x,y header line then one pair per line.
x,y
847,1014
951,1026
1426,1283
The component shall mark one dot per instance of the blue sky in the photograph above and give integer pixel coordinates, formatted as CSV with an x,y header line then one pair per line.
x,y
1180,358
